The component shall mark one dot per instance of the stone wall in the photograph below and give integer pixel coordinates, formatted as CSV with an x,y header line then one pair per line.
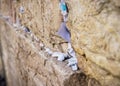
x,y
94,27
95,35
27,65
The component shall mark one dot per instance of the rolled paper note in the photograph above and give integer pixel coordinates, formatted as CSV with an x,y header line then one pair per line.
x,y
41,45
72,61
21,10
71,52
69,45
64,32
26,29
50,52
63,6
74,67
61,56
47,49
15,25
55,54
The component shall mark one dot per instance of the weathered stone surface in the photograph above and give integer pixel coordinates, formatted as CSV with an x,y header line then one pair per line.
x,y
95,35
26,65
94,27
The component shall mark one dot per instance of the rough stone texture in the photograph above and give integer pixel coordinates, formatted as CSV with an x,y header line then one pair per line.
x,y
25,65
95,35
94,27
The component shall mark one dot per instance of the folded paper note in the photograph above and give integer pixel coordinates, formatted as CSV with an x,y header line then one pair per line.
x,y
60,56
64,32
